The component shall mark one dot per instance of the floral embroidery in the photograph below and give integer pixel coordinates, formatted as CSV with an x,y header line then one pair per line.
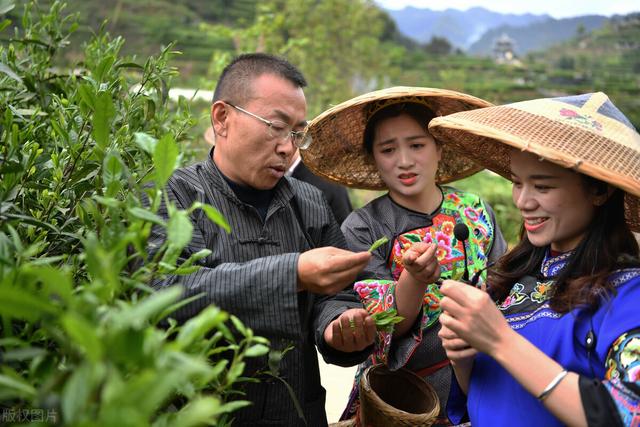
x,y
516,297
623,360
582,119
378,295
626,401
542,292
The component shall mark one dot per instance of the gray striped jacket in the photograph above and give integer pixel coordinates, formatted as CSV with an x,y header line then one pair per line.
x,y
252,273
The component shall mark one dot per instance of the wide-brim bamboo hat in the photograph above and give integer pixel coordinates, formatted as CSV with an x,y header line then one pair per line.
x,y
337,153
586,133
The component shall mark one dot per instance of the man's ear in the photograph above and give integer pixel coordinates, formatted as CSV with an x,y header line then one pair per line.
x,y
219,118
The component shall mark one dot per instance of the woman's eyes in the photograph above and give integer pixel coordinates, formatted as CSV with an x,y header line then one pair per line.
x,y
539,187
542,187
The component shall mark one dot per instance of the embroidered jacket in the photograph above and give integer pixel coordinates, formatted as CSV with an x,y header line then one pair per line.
x,y
609,371
421,347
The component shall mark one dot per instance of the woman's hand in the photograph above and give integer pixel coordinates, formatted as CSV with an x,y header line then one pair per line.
x,y
421,262
458,350
473,317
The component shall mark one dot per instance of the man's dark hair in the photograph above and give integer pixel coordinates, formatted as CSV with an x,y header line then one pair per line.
x,y
418,112
235,81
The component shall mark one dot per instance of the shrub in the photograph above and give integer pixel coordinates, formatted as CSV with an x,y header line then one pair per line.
x,y
82,336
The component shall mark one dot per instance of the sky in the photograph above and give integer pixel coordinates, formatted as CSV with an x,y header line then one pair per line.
x,y
555,8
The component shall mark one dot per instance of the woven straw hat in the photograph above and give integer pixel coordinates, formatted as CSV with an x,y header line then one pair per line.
x,y
396,399
337,152
584,132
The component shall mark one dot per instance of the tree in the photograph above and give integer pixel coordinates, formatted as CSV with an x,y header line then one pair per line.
x,y
336,43
438,46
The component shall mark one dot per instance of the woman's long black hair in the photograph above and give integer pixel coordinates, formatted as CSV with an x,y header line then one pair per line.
x,y
608,245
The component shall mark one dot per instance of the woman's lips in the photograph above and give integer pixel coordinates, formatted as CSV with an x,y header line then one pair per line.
x,y
408,178
534,224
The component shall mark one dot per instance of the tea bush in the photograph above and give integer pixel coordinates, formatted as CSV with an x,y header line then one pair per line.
x,y
83,339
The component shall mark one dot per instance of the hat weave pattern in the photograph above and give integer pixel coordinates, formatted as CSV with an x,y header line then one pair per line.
x,y
586,133
337,152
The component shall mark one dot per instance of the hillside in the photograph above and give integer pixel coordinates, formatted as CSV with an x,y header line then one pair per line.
x,y
461,28
537,35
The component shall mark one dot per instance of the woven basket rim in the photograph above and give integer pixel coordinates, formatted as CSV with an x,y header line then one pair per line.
x,y
369,396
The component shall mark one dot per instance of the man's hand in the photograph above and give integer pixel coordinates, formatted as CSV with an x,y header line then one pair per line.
x,y
329,270
421,262
354,330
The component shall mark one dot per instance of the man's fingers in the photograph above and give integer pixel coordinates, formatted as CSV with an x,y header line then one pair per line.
x,y
347,261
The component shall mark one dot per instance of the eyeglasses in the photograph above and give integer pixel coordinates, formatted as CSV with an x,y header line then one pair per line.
x,y
280,130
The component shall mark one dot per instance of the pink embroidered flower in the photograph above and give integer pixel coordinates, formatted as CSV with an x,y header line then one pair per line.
x,y
453,197
443,239
471,213
388,300
568,113
508,301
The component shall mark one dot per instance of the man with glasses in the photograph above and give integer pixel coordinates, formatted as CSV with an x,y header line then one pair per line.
x,y
283,268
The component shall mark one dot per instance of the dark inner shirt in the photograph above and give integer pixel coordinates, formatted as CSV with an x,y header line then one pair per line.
x,y
259,199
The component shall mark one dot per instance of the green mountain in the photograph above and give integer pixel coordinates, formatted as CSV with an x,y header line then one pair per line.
x,y
538,35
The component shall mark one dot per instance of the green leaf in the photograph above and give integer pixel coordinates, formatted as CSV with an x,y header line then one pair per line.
x,y
87,95
381,241
83,335
104,67
130,65
164,159
239,325
112,167
146,142
235,371
6,6
9,72
214,215
197,327
233,406
179,229
20,304
78,391
55,283
384,320
145,215
256,350
17,387
103,113
200,411
139,314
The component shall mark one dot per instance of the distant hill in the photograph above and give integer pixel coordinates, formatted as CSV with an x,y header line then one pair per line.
x,y
537,35
461,28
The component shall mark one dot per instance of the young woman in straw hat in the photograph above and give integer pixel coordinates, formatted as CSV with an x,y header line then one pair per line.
x,y
556,340
380,140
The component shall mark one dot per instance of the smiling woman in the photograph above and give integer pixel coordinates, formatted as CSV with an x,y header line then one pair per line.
x,y
561,345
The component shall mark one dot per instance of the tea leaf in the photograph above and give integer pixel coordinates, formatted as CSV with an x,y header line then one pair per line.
x,y
381,241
